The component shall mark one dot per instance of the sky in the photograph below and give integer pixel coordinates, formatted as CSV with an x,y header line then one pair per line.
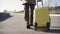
x,y
17,4
54,2
11,5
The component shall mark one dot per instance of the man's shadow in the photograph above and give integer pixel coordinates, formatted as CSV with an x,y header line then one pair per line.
x,y
4,16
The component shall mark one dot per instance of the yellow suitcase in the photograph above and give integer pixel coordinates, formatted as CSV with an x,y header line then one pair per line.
x,y
42,19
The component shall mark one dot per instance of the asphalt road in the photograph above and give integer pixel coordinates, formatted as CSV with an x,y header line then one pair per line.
x,y
17,25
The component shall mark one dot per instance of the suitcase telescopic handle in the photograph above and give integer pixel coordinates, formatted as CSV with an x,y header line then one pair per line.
x,y
39,1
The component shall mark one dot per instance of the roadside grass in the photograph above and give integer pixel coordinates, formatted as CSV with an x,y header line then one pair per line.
x,y
50,12
57,12
21,12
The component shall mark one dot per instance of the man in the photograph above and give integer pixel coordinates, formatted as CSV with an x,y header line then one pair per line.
x,y
29,6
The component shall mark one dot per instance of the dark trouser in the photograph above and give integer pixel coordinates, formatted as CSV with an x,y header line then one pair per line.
x,y
29,8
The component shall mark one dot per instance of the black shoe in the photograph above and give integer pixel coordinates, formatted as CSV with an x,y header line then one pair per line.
x,y
31,24
28,27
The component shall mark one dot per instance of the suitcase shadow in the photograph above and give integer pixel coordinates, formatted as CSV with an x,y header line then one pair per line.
x,y
52,31
48,31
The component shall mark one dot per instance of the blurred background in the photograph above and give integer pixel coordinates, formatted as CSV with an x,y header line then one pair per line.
x,y
16,5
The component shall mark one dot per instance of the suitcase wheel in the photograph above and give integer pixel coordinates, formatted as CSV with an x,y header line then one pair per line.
x,y
48,25
35,26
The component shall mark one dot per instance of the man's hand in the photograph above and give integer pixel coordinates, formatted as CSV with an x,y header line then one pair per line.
x,y
39,0
21,0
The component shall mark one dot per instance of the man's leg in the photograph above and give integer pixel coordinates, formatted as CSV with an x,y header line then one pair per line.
x,y
32,6
26,8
